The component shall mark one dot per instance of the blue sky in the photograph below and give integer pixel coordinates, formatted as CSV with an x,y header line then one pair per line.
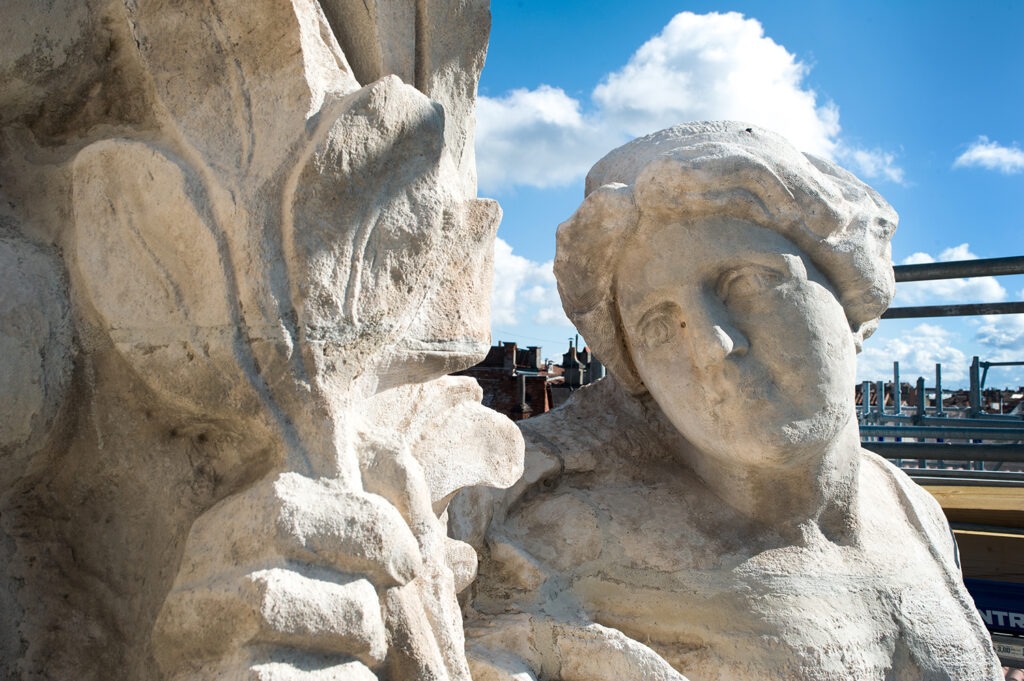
x,y
922,100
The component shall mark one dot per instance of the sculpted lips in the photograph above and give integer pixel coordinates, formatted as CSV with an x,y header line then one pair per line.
x,y
736,379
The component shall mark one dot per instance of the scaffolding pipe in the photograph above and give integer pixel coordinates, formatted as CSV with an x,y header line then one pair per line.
x,y
992,421
986,365
965,310
984,421
922,402
1002,476
947,452
946,433
897,399
974,395
988,267
930,477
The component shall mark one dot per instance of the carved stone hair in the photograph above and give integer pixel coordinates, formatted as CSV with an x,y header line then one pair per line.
x,y
727,169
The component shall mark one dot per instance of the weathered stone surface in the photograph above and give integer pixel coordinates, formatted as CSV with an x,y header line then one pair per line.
x,y
710,511
234,240
35,347
240,248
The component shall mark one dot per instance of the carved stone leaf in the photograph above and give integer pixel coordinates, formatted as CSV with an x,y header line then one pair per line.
x,y
151,266
369,211
379,38
437,46
241,80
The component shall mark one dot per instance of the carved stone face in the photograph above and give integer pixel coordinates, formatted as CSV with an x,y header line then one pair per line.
x,y
739,338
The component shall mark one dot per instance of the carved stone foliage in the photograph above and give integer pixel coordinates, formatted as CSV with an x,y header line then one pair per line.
x,y
241,248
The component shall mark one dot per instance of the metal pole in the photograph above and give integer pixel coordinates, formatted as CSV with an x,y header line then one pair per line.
x,y
945,432
938,390
920,411
897,400
974,395
991,267
921,402
897,389
965,310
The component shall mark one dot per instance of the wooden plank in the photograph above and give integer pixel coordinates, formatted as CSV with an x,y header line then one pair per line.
x,y
991,555
981,505
1014,519
978,497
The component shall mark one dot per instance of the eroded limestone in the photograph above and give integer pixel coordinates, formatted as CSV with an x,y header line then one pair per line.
x,y
234,253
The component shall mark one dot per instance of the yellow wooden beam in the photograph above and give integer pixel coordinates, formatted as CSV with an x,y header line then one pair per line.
x,y
979,498
991,555
1002,506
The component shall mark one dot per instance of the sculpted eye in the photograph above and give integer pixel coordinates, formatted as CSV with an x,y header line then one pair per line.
x,y
661,324
747,282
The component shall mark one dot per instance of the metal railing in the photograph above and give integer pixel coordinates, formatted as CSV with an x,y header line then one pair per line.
x,y
990,267
926,432
929,435
982,442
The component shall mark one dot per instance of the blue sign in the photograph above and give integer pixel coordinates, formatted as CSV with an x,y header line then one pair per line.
x,y
1001,604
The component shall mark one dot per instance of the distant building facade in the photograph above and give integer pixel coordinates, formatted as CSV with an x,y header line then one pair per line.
x,y
519,383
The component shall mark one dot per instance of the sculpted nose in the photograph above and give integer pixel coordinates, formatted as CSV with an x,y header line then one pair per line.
x,y
729,341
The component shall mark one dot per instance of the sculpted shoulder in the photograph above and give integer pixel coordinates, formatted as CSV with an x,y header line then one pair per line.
x,y
886,486
600,462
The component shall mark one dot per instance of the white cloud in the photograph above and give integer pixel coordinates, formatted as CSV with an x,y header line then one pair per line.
x,y
973,290
551,316
991,156
917,351
699,67
523,288
1004,335
535,137
1001,338
871,164
717,66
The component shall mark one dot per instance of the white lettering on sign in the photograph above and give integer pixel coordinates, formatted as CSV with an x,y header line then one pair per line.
x,y
1002,618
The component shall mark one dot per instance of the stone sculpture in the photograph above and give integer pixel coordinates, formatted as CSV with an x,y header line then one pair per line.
x,y
239,249
707,509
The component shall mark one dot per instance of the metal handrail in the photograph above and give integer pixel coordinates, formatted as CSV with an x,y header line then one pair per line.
x,y
1007,478
945,451
964,310
945,433
989,267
